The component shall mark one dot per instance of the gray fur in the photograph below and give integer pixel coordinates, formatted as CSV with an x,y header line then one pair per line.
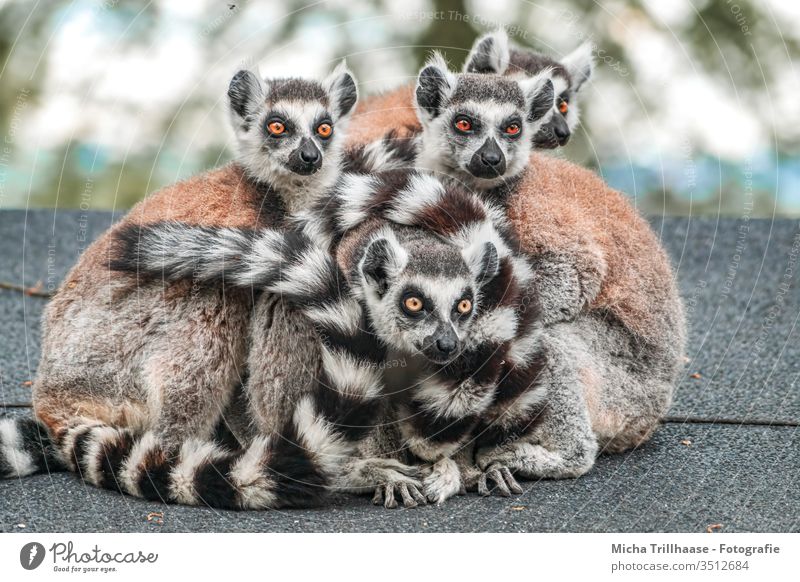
x,y
491,103
493,54
301,105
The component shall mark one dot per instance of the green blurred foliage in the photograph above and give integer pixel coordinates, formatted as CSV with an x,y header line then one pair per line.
x,y
712,35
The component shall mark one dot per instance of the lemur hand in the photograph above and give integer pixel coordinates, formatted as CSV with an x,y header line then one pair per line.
x,y
408,489
504,480
443,482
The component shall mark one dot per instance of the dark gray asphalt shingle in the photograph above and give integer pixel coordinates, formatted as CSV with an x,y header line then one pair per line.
x,y
664,486
739,280
743,342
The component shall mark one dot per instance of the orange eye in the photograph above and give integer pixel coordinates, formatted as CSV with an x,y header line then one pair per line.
x,y
276,128
325,130
512,129
463,125
563,107
413,304
464,306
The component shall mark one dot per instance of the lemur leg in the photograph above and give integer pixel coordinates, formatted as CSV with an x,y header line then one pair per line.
x,y
192,366
283,362
155,357
561,443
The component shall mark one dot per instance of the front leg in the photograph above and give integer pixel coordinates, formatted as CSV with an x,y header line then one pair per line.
x,y
388,478
560,442
382,467
444,481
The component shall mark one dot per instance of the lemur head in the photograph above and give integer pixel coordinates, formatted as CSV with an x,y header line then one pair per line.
x,y
478,127
422,292
491,54
290,130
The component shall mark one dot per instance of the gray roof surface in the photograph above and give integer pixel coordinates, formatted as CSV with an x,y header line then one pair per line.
x,y
739,279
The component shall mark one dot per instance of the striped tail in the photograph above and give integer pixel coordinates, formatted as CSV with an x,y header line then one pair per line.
x,y
26,448
298,465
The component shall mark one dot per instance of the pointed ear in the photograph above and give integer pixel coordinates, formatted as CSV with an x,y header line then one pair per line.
x,y
341,86
383,260
580,64
245,92
489,55
482,260
435,84
539,95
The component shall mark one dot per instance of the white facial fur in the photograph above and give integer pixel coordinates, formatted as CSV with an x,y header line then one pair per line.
x,y
491,104
301,106
437,273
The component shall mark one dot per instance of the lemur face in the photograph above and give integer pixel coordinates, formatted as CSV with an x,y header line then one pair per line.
x,y
290,128
492,55
479,127
422,293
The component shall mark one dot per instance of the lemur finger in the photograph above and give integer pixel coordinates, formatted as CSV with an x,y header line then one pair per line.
x,y
483,487
463,489
511,480
377,499
408,500
500,483
390,502
417,494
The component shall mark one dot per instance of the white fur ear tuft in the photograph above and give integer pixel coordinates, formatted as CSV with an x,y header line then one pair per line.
x,y
540,95
341,86
245,92
580,64
384,258
490,54
435,84
482,260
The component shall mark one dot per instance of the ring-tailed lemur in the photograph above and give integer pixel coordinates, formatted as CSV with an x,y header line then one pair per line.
x,y
418,295
490,54
480,345
165,359
615,328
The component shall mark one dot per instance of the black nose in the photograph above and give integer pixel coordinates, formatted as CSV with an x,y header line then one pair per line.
x,y
309,155
446,345
561,132
491,158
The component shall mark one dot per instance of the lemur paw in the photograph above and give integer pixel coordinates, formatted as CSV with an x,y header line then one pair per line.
x,y
443,482
409,491
504,481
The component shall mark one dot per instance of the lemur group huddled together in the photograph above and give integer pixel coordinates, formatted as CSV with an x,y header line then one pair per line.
x,y
397,296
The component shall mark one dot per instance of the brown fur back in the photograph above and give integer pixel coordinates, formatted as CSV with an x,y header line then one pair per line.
x,y
375,116
559,203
